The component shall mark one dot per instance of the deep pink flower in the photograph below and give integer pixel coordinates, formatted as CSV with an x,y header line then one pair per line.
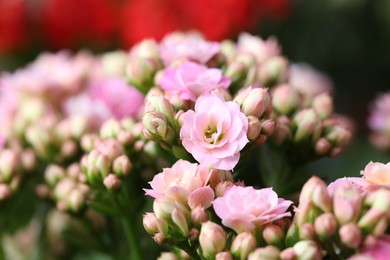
x,y
193,47
184,181
190,80
244,208
215,132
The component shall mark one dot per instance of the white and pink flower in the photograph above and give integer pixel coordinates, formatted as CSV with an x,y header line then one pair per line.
x,y
259,48
215,132
185,182
245,208
190,80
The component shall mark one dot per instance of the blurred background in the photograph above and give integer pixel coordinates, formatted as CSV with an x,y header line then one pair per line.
x,y
346,39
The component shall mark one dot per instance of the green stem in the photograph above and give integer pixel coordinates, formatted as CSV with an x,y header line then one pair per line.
x,y
134,245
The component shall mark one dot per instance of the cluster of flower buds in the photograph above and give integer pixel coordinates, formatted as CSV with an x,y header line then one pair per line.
x,y
254,60
57,140
14,165
68,187
340,217
256,104
309,128
106,163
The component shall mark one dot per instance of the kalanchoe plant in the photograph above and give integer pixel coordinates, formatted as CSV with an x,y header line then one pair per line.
x,y
87,133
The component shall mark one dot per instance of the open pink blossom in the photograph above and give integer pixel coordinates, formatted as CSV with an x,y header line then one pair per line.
x,y
215,132
308,80
106,98
378,251
261,49
377,174
191,47
358,183
52,76
122,99
379,118
245,208
190,80
184,181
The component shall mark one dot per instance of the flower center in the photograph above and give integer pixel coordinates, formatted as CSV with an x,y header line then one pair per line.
x,y
212,136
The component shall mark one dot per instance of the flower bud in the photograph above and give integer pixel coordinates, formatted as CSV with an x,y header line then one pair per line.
x,y
5,191
268,252
306,232
288,254
75,200
114,63
28,159
224,256
315,190
110,147
285,99
110,129
212,239
222,187
350,235
167,256
273,71
242,245
63,188
347,203
69,148
254,128
53,174
140,72
150,223
305,121
157,128
322,146
323,105
158,103
163,208
198,216
256,103
325,226
122,165
147,48
339,136
181,221
282,130
112,182
9,163
228,49
273,235
307,249
102,164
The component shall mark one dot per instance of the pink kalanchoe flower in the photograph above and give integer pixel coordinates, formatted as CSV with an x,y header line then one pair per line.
x,y
379,250
244,208
51,76
308,80
121,99
215,132
184,181
377,174
258,47
358,183
190,80
106,98
193,47
380,116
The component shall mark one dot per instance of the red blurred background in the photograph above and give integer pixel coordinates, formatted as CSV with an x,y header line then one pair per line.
x,y
27,25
